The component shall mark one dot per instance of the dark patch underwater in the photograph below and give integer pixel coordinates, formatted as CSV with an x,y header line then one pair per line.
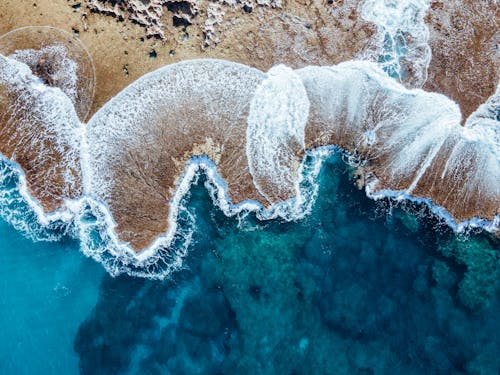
x,y
357,287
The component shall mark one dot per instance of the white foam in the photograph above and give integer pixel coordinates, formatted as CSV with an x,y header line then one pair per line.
x,y
59,57
402,33
64,73
492,226
276,133
19,208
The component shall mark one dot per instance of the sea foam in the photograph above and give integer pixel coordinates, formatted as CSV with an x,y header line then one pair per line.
x,y
401,46
275,135
250,133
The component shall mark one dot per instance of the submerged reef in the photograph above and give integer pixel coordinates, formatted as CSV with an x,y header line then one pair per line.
x,y
483,266
350,289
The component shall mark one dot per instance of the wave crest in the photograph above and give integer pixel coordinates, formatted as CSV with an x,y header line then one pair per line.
x,y
119,182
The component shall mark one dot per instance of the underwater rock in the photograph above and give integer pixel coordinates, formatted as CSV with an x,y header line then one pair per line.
x,y
480,281
205,315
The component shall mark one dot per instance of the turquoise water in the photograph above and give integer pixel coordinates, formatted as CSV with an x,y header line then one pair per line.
x,y
47,290
357,287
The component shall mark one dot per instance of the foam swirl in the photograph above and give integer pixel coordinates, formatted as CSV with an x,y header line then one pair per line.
x,y
401,45
119,181
275,135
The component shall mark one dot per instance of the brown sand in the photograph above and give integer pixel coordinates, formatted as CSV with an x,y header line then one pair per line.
x,y
298,33
464,39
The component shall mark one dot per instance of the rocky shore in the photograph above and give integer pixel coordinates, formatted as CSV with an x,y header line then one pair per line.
x,y
131,38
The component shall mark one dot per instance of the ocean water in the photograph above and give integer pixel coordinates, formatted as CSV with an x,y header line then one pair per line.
x,y
356,287
46,290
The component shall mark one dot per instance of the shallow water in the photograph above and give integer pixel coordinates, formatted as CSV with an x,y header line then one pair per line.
x,y
357,287
46,291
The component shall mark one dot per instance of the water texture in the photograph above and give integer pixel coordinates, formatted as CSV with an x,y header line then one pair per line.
x,y
321,279
358,286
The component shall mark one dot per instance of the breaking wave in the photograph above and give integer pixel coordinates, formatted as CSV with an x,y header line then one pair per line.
x,y
401,46
258,138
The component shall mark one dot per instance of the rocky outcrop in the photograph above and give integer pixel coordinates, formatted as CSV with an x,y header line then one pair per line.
x,y
464,40
147,14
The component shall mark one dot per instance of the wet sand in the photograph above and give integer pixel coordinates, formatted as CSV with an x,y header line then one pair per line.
x,y
296,34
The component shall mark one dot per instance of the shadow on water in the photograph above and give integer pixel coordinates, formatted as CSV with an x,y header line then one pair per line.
x,y
357,287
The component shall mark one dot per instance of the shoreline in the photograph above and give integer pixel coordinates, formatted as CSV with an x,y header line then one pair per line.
x,y
245,187
120,257
101,133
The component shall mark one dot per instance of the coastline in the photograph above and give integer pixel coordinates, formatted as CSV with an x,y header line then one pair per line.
x,y
87,216
177,190
258,187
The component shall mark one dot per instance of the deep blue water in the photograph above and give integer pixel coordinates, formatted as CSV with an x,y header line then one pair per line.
x,y
357,287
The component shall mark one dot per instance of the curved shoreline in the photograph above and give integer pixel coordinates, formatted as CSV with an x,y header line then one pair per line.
x,y
399,134
248,131
410,140
118,257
